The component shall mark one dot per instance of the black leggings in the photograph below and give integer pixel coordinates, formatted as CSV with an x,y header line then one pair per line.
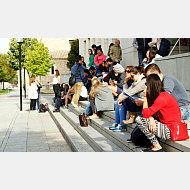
x,y
92,103
32,104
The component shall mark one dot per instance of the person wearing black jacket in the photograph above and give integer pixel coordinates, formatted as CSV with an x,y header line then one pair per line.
x,y
60,100
141,44
116,85
88,77
111,74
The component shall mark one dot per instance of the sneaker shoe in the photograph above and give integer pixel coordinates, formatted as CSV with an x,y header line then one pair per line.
x,y
56,110
73,105
120,128
113,126
65,107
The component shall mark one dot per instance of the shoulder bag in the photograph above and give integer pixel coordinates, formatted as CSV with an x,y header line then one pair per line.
x,y
72,80
179,131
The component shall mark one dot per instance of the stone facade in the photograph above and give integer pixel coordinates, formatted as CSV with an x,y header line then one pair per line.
x,y
59,49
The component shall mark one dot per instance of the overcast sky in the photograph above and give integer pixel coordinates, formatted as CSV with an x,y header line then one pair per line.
x,y
4,45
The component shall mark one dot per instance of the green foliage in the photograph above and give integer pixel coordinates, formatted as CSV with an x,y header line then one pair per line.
x,y
37,60
73,53
6,73
4,91
13,53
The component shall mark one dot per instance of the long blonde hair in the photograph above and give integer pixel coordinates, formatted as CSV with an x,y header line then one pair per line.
x,y
95,84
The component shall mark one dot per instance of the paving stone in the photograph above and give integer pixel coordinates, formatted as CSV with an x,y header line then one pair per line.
x,y
60,149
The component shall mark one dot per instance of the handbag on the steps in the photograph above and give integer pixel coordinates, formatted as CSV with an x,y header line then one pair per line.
x,y
179,131
83,120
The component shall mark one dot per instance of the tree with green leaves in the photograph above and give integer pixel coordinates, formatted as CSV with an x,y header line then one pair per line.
x,y
73,53
13,53
37,59
6,73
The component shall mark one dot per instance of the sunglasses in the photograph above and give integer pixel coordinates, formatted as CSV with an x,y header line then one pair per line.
x,y
127,71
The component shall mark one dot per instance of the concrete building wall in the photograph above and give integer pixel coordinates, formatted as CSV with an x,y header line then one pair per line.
x,y
129,53
177,66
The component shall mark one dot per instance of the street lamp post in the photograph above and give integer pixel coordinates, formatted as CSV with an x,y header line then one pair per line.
x,y
20,40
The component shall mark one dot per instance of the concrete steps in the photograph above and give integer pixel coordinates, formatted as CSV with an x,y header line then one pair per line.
x,y
102,126
168,145
93,138
73,138
98,136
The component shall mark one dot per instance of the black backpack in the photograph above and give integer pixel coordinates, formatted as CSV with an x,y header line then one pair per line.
x,y
139,138
164,47
43,108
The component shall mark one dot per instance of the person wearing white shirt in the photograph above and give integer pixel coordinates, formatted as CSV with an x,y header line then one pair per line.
x,y
33,94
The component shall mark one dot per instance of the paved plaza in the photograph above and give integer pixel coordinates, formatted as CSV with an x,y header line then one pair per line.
x,y
21,131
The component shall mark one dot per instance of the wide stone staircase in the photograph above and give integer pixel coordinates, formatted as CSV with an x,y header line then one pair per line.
x,y
98,138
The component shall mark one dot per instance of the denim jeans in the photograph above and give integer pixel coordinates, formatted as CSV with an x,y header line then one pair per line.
x,y
120,112
88,109
38,101
141,56
185,112
56,102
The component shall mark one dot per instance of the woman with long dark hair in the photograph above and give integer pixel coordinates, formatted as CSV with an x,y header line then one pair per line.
x,y
91,58
159,104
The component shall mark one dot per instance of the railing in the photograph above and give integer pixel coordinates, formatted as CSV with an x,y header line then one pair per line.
x,y
175,46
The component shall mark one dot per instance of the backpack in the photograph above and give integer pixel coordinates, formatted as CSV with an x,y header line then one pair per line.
x,y
43,108
164,47
139,138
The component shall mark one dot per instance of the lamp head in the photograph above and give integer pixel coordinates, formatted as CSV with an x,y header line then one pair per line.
x,y
19,40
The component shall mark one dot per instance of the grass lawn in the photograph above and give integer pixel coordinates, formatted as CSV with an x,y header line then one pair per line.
x,y
4,91
45,93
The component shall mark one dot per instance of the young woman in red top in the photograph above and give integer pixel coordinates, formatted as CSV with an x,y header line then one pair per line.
x,y
159,104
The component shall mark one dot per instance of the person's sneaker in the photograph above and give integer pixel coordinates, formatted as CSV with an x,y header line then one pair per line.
x,y
120,128
56,110
113,126
73,105
65,107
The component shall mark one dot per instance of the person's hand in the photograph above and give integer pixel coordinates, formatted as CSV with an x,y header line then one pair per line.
x,y
89,79
144,60
119,98
138,101
103,73
113,60
152,125
98,64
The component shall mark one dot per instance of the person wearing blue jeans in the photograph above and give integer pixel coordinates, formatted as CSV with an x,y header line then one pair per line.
x,y
88,109
120,113
124,103
39,86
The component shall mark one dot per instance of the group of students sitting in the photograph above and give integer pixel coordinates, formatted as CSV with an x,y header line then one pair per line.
x,y
159,99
